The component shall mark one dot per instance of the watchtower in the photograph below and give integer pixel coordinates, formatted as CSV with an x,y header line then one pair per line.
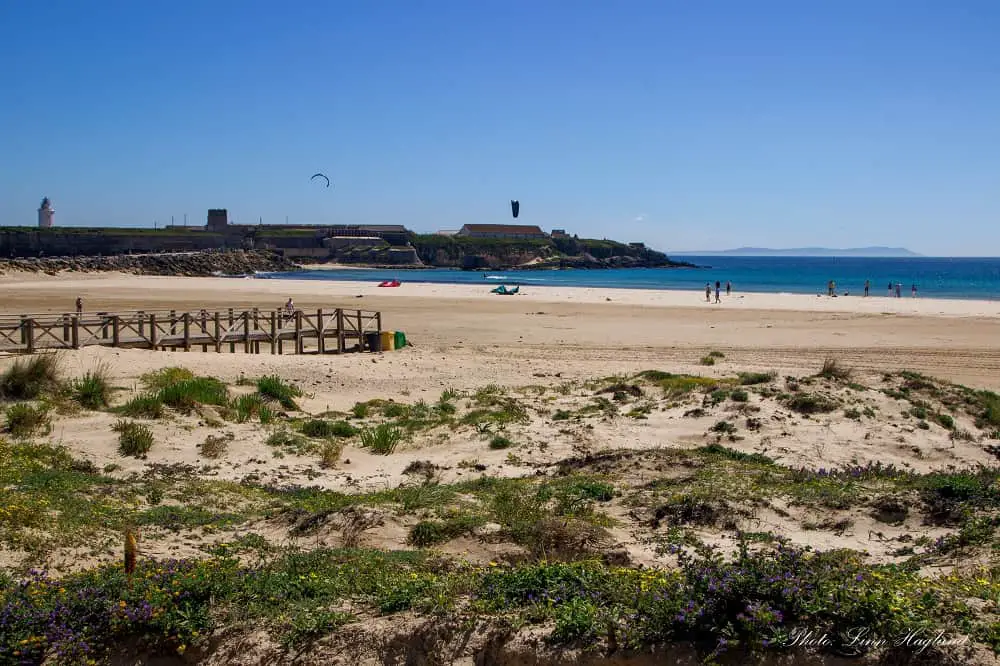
x,y
218,219
46,214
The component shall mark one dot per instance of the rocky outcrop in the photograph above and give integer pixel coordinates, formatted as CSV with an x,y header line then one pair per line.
x,y
540,254
194,264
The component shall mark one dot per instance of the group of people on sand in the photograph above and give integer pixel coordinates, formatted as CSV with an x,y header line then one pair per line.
x,y
718,291
893,290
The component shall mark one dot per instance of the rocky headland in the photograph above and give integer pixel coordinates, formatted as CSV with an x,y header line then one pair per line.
x,y
190,264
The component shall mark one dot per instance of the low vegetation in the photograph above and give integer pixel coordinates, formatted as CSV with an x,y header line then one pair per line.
x,y
552,550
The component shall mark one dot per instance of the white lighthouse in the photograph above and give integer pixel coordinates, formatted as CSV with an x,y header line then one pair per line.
x,y
45,214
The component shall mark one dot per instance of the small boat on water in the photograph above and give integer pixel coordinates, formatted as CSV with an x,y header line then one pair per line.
x,y
390,283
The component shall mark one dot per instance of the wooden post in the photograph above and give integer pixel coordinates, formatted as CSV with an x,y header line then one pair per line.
x,y
76,332
298,331
340,331
229,330
361,333
115,330
274,330
247,344
218,333
256,329
378,322
24,329
152,330
29,331
65,328
321,333
173,323
187,331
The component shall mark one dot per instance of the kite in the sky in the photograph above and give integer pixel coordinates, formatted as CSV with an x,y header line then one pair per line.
x,y
319,175
515,206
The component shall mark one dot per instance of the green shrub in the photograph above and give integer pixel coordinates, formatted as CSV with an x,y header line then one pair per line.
x,y
185,394
360,410
275,388
382,439
853,413
716,354
93,390
810,403
165,377
24,420
134,439
707,360
500,442
29,377
322,428
739,396
750,378
945,420
146,405
432,532
723,428
250,406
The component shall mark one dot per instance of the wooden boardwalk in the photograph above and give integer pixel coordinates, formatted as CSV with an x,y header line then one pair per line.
x,y
322,331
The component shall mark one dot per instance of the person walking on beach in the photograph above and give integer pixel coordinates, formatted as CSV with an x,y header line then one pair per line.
x,y
79,305
708,292
913,290
718,288
890,290
868,285
899,290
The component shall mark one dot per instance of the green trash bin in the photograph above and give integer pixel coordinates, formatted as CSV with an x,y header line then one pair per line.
x,y
400,341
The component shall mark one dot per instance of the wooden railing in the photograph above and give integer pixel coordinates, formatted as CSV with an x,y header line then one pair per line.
x,y
334,330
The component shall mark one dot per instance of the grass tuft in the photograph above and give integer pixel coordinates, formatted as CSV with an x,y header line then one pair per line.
x,y
29,378
275,388
24,420
93,390
134,439
382,439
145,406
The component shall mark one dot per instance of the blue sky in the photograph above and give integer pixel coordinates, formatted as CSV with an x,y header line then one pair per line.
x,y
690,125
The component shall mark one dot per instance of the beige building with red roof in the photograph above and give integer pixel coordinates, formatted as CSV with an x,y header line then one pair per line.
x,y
502,231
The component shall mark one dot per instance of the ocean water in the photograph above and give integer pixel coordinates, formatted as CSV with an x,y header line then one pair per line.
x,y
967,278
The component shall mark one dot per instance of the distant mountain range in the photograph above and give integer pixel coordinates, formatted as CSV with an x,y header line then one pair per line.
x,y
877,251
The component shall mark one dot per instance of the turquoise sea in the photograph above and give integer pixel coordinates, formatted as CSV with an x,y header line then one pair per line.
x,y
934,277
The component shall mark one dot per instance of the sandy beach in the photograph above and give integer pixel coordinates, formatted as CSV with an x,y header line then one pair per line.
x,y
582,330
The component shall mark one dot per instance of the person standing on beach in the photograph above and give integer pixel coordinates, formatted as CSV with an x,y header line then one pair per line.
x,y
890,290
708,292
868,285
718,288
899,290
729,287
79,305
913,290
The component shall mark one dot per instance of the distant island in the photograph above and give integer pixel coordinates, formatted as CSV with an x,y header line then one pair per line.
x,y
875,251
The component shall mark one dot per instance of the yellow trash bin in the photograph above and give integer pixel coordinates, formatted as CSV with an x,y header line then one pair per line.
x,y
388,340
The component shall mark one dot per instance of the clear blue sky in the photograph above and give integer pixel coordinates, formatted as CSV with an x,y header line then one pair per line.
x,y
690,125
